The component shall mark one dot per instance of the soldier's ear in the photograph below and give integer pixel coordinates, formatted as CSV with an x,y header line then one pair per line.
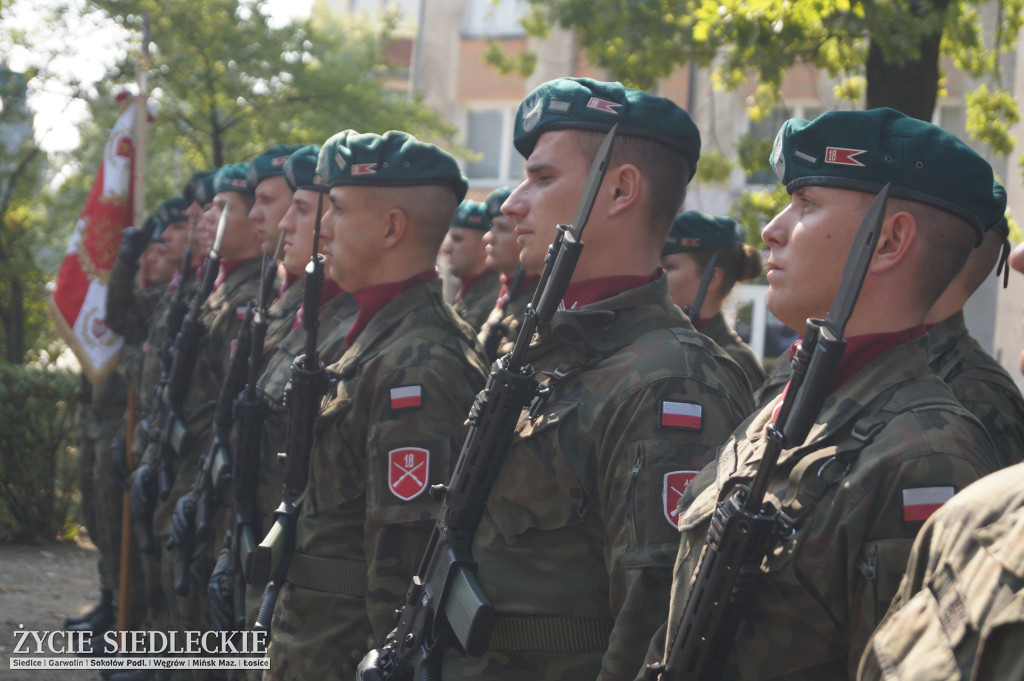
x,y
396,224
896,241
624,183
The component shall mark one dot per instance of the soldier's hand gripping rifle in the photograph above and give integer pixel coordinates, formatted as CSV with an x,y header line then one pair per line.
x,y
169,428
496,332
306,389
193,514
250,411
744,526
445,605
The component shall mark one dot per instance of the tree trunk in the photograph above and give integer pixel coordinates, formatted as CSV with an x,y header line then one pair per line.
x,y
912,86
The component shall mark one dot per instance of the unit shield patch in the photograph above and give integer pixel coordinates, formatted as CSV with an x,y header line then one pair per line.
x,y
673,488
408,472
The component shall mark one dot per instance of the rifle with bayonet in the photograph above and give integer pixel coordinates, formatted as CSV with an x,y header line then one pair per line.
x,y
170,431
445,606
193,515
744,526
250,410
693,309
307,387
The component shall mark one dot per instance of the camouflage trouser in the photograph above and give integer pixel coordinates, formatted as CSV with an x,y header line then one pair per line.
x,y
190,612
317,635
86,462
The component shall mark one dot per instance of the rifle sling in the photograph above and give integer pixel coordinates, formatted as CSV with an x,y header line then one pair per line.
x,y
333,575
554,635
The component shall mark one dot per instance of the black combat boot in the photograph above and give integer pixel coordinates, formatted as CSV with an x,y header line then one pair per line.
x,y
101,613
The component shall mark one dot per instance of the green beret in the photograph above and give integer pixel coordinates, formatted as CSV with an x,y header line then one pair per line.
x,y
494,201
394,159
863,150
472,215
269,164
192,186
300,168
586,104
172,210
231,178
696,231
204,189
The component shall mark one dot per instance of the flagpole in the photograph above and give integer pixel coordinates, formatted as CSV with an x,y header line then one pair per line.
x,y
138,215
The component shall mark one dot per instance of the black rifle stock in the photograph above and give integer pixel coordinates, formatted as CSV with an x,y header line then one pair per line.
x,y
744,526
445,605
250,410
309,382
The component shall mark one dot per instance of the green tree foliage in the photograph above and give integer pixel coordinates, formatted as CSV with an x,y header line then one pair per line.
x,y
882,52
36,456
227,84
23,316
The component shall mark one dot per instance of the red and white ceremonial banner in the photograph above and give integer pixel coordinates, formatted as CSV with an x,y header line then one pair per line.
x,y
79,302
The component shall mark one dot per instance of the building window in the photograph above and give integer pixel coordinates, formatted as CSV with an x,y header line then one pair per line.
x,y
494,18
761,136
489,133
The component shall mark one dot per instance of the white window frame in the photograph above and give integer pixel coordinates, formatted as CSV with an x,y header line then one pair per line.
x,y
506,149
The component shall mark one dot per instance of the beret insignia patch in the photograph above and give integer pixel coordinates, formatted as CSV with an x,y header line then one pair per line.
x,y
603,105
531,112
560,106
364,169
844,157
340,160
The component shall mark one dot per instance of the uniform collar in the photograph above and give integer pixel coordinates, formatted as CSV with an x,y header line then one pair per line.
x,y
372,300
471,281
581,293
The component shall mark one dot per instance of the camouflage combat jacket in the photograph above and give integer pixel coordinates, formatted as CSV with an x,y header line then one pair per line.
x,y
476,303
222,313
887,443
976,379
281,318
959,612
392,427
336,318
577,540
981,385
503,323
717,330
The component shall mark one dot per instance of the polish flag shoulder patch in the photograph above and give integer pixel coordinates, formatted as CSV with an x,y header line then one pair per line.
x,y
240,312
408,472
674,486
844,157
407,397
681,415
920,502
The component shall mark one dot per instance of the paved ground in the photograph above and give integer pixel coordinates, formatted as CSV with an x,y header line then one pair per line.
x,y
39,586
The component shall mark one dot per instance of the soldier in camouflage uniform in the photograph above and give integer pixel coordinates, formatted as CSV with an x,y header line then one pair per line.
x,y
394,423
975,377
338,311
273,198
517,285
689,246
890,443
467,261
221,314
957,615
575,545
977,380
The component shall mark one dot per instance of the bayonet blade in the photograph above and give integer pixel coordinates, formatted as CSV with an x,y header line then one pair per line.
x,y
857,263
596,176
